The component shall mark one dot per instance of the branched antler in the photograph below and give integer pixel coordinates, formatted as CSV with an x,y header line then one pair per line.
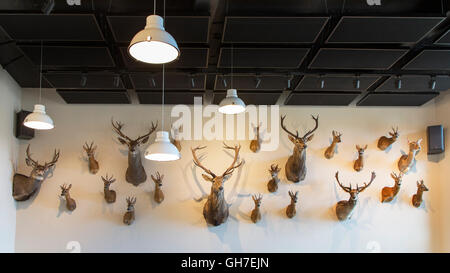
x,y
360,189
236,155
346,189
197,162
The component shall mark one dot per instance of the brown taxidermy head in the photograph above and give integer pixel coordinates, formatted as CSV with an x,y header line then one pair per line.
x,y
131,201
131,143
397,178
336,137
90,150
414,145
300,142
158,179
394,134
361,150
257,199
40,171
274,170
421,186
294,196
65,189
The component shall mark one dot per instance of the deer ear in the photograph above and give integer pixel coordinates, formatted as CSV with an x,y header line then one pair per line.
x,y
122,141
391,134
392,175
207,178
29,162
365,147
357,147
309,138
291,138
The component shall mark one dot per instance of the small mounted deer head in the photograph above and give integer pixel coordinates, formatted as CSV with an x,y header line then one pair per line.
x,y
255,144
256,214
26,186
345,208
296,164
70,202
388,193
385,142
128,217
406,161
93,163
110,195
359,163
291,210
175,141
329,152
417,198
159,195
215,209
135,173
272,186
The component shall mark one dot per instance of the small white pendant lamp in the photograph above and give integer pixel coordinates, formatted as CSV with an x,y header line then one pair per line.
x,y
154,44
39,120
231,104
162,149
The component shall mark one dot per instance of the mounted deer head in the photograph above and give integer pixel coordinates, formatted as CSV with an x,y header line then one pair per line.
x,y
359,162
329,152
135,172
110,195
26,186
70,202
417,198
345,208
255,144
159,195
175,141
296,164
272,186
406,161
256,214
128,217
215,209
388,193
291,210
385,142
93,163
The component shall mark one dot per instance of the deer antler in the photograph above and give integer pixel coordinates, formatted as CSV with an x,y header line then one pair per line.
x,y
33,162
145,137
131,200
117,127
158,177
285,129
54,160
197,162
316,119
360,189
109,180
236,155
346,189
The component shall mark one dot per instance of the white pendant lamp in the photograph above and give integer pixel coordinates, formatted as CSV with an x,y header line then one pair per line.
x,y
39,120
154,44
231,104
162,149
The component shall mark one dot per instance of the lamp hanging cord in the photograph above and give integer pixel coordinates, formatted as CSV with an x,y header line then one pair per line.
x,y
232,66
154,7
40,75
162,107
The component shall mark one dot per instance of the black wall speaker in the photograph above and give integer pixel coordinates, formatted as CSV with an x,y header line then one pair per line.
x,y
435,136
23,132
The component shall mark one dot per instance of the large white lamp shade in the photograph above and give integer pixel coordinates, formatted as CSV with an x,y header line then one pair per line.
x,y
153,44
231,104
39,120
162,149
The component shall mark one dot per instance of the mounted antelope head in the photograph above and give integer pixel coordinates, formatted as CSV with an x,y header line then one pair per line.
x,y
296,164
70,202
359,162
135,172
329,152
93,163
291,210
417,198
26,186
256,214
215,209
255,144
345,208
388,193
110,195
175,141
159,195
406,161
128,217
272,186
385,142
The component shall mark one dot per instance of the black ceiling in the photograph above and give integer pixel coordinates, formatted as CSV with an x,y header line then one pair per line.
x,y
331,52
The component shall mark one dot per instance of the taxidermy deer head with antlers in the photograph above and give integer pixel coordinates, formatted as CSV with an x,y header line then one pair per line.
x,y
159,195
70,202
110,195
291,211
128,217
345,208
296,164
388,193
26,186
93,163
272,186
255,144
135,173
359,162
215,209
329,152
385,142
406,161
417,198
256,213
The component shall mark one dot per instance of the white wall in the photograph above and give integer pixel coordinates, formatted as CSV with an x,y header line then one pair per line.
x,y
178,225
10,102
